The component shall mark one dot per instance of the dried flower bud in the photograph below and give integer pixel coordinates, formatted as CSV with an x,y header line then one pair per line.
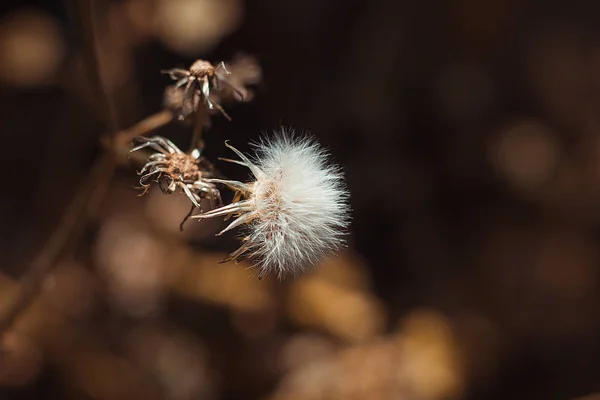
x,y
171,168
295,210
211,84
200,80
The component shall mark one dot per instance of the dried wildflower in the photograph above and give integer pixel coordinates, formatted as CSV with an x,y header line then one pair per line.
x,y
201,80
171,168
295,210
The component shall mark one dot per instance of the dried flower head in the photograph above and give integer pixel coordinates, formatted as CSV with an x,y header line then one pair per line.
x,y
294,212
201,80
171,168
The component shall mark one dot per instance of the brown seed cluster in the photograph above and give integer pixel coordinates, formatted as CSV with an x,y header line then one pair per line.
x,y
171,169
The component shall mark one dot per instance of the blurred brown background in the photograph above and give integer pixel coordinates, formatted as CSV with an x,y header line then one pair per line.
x,y
470,136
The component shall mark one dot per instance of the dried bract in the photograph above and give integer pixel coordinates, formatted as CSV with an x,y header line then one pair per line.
x,y
245,71
294,212
173,101
171,168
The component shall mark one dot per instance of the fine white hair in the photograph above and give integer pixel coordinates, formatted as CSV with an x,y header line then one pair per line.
x,y
296,210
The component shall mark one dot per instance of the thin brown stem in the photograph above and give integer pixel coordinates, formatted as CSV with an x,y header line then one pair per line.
x,y
87,198
122,140
197,142
85,201
85,13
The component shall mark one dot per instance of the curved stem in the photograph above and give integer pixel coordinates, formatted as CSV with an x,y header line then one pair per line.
x,y
87,198
123,138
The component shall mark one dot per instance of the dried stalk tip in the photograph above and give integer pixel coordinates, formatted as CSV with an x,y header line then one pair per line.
x,y
210,84
170,168
295,211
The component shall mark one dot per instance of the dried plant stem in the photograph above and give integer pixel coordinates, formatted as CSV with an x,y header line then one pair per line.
x,y
122,140
85,201
197,142
85,12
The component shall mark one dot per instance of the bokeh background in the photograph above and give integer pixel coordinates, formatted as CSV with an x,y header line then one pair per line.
x,y
469,132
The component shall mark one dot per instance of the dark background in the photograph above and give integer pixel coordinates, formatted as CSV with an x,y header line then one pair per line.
x,y
469,132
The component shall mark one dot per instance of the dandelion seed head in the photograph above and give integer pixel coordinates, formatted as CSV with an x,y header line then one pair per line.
x,y
295,211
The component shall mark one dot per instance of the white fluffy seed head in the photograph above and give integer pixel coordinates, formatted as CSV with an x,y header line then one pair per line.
x,y
300,205
295,211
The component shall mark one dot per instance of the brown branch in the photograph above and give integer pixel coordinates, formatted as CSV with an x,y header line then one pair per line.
x,y
121,143
149,124
85,12
197,142
88,197
86,200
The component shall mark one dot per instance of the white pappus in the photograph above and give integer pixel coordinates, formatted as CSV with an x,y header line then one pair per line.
x,y
294,212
